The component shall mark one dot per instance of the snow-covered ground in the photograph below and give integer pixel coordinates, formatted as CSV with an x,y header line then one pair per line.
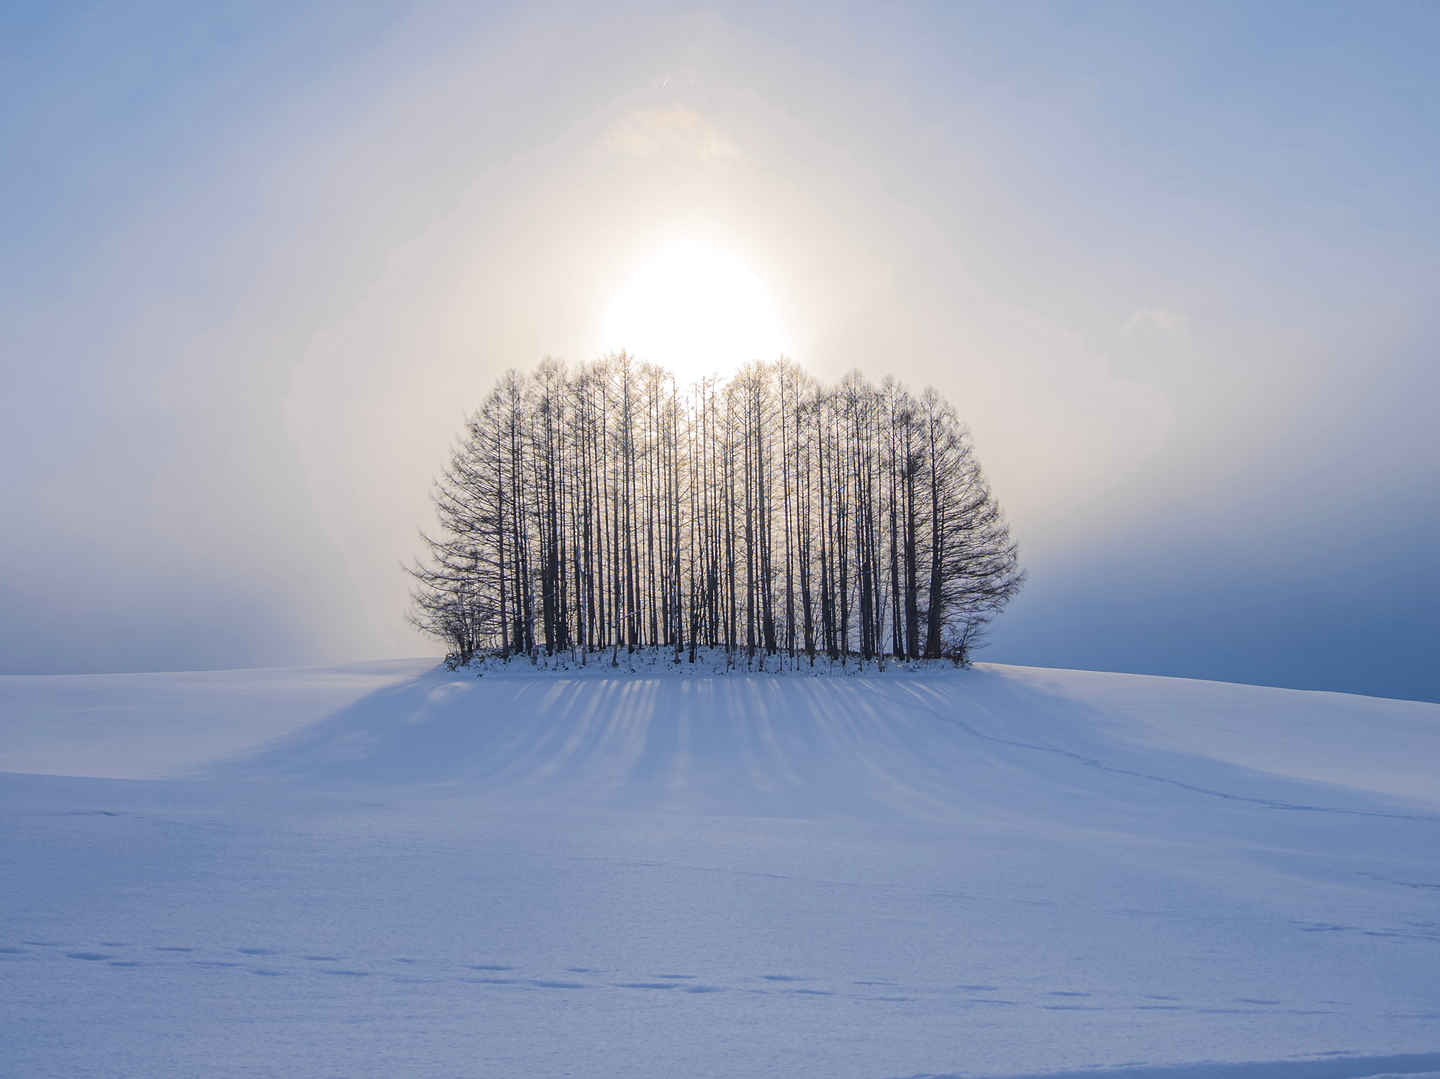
x,y
397,870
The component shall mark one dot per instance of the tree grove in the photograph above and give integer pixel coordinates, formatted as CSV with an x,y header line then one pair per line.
x,y
607,508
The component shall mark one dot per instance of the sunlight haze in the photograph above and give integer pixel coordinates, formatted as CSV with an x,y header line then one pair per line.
x,y
1175,265
694,307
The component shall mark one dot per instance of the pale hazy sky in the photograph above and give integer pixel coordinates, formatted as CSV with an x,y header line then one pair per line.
x,y
1176,264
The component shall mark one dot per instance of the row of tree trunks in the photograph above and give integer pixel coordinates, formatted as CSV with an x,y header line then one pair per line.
x,y
606,508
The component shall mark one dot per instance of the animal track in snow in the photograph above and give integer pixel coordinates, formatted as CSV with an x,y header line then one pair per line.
x,y
412,970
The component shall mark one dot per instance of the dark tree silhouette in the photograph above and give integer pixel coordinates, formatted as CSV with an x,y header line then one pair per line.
x,y
589,510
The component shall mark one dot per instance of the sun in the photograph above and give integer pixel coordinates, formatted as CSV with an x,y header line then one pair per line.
x,y
694,307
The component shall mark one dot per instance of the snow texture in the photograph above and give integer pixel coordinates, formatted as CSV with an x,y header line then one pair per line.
x,y
399,870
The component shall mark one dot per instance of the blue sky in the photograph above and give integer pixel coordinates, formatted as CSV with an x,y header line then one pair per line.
x,y
1175,263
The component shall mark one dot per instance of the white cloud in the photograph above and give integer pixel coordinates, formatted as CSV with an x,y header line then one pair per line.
x,y
1146,321
670,132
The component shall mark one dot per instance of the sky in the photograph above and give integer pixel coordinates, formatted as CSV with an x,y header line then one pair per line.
x,y
1176,265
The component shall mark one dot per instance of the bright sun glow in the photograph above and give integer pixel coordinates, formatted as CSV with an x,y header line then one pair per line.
x,y
694,308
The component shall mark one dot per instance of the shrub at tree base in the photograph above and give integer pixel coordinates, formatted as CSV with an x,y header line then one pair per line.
x,y
607,508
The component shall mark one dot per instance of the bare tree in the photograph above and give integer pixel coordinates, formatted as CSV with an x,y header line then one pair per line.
x,y
597,508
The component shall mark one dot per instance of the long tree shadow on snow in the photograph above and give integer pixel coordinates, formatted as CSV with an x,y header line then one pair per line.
x,y
917,745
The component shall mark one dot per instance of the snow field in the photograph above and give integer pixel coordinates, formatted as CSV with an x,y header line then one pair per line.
x,y
401,870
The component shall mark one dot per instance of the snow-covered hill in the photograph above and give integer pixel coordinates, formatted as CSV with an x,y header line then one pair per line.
x,y
396,870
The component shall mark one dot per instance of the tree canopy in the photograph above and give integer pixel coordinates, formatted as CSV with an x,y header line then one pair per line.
x,y
606,507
